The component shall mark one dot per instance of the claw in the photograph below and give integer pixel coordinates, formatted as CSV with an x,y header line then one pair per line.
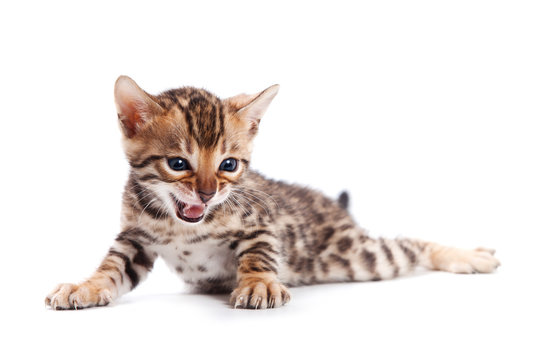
x,y
239,301
258,302
75,304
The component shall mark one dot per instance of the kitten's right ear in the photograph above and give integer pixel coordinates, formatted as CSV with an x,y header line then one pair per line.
x,y
134,106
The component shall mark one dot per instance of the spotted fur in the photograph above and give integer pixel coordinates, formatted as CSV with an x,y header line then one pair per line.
x,y
256,236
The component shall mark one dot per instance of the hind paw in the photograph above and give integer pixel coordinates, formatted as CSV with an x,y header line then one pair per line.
x,y
480,260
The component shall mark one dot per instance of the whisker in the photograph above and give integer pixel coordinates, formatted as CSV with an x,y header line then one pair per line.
x,y
268,196
248,203
232,197
142,211
254,200
231,207
143,190
164,207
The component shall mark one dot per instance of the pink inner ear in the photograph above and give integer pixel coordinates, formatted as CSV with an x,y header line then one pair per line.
x,y
253,127
134,106
255,109
130,120
239,101
129,115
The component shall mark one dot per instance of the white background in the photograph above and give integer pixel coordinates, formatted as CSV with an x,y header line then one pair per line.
x,y
426,111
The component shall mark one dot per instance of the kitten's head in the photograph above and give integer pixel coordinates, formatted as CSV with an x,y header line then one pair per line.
x,y
186,147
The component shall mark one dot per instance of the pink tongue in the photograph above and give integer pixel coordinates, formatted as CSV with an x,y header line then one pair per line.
x,y
193,211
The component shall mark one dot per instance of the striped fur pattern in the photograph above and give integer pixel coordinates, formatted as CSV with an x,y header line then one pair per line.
x,y
233,231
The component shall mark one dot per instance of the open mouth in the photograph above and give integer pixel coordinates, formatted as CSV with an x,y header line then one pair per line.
x,y
192,213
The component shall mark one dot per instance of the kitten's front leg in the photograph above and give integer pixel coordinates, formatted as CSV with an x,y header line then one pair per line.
x,y
125,265
258,286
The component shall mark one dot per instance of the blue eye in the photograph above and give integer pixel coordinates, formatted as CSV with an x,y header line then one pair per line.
x,y
228,165
178,164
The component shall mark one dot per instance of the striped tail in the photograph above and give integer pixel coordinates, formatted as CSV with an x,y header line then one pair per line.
x,y
400,256
358,257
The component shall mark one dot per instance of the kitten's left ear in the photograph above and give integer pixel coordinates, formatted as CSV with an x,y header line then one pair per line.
x,y
251,108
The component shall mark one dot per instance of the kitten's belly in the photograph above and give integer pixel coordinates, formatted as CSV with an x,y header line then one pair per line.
x,y
210,265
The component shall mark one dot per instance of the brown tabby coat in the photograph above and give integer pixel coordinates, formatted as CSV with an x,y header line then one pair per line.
x,y
226,230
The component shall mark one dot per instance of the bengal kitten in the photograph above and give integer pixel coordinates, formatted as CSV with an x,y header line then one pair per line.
x,y
192,199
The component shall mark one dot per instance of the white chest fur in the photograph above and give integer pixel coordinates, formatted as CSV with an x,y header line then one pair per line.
x,y
199,261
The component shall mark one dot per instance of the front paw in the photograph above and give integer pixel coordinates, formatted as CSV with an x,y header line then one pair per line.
x,y
73,297
259,293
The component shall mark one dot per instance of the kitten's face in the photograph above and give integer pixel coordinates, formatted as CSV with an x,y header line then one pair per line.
x,y
187,148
